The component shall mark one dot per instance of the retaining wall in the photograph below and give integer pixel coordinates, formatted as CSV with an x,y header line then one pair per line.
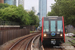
x,y
6,35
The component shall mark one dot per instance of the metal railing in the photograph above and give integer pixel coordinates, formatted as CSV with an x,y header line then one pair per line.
x,y
8,23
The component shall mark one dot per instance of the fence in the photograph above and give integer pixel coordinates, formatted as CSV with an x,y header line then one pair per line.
x,y
8,27
8,23
6,35
32,28
70,29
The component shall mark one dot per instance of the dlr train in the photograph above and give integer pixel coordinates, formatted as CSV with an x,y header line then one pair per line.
x,y
53,30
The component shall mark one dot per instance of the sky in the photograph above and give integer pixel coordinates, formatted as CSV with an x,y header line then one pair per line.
x,y
28,4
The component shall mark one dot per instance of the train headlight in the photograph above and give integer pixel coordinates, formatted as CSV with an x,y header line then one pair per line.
x,y
61,35
45,35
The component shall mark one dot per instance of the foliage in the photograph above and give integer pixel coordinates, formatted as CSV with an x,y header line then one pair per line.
x,y
2,6
34,20
18,15
64,8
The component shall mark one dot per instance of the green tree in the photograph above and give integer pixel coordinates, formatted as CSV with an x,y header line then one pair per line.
x,y
64,8
15,14
3,5
34,20
19,15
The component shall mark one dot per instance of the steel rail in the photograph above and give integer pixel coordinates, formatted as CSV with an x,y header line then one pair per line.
x,y
72,38
72,43
33,41
28,44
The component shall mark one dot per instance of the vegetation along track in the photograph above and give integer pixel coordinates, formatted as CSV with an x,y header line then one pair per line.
x,y
72,38
72,41
23,44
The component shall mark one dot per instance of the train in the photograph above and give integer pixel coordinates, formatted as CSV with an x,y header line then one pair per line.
x,y
53,30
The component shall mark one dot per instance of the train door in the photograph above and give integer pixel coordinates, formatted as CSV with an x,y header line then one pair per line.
x,y
53,27
53,30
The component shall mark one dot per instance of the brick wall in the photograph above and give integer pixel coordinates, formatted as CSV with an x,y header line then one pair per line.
x,y
1,1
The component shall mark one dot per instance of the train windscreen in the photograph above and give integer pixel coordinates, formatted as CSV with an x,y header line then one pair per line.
x,y
46,26
53,26
59,26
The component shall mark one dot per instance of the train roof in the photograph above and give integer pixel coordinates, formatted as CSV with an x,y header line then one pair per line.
x,y
53,17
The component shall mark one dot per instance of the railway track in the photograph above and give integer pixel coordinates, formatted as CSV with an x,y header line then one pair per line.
x,y
72,43
23,44
72,38
52,47
32,43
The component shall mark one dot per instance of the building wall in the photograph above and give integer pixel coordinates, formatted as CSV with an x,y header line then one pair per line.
x,y
33,9
21,2
42,10
1,1
10,2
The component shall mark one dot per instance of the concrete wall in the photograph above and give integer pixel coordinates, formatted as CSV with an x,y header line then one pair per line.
x,y
6,35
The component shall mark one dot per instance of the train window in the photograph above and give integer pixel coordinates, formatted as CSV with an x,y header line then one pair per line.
x,y
59,26
53,26
46,26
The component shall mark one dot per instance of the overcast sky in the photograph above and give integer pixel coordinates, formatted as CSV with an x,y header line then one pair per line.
x,y
35,3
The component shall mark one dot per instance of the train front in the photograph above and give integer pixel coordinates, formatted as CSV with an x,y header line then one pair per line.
x,y
52,30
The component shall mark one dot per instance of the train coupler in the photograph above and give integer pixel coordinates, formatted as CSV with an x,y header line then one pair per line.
x,y
53,41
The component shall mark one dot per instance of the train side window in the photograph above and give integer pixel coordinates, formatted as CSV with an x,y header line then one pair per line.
x,y
46,26
59,26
